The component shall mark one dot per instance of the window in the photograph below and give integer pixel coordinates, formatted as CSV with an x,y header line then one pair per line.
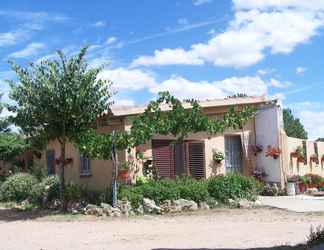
x,y
85,166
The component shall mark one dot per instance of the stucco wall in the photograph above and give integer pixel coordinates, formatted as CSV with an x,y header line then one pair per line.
x,y
268,122
297,168
101,170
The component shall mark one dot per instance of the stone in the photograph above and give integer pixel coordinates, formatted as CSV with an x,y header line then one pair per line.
x,y
233,203
149,206
245,203
139,210
204,205
125,207
312,190
106,209
93,210
166,207
185,205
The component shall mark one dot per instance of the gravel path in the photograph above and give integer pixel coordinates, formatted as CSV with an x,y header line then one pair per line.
x,y
221,228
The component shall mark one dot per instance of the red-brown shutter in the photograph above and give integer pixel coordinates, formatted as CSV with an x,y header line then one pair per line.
x,y
196,159
163,158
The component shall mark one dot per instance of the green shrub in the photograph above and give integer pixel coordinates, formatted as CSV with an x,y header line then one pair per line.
x,y
74,192
47,190
316,237
234,187
314,178
17,187
192,189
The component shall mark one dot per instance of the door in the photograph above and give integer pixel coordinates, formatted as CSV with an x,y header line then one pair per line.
x,y
233,154
180,159
50,161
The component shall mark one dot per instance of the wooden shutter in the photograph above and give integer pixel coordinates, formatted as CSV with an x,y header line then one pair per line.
x,y
163,158
196,159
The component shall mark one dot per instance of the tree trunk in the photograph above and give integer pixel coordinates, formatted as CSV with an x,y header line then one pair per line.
x,y
62,176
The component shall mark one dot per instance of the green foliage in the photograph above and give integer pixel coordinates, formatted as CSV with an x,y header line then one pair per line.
x,y
4,123
234,187
11,145
220,188
46,190
59,97
293,126
316,237
314,178
17,187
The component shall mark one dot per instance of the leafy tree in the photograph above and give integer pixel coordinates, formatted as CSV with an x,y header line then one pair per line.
x,y
11,145
320,139
58,99
3,122
293,126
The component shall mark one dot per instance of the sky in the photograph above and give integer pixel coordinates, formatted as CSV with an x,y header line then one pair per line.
x,y
202,49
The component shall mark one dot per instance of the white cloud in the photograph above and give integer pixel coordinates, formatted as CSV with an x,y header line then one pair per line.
x,y
111,40
278,84
311,116
123,103
184,88
251,34
266,71
301,71
183,21
168,57
280,4
100,24
128,79
11,38
30,50
201,2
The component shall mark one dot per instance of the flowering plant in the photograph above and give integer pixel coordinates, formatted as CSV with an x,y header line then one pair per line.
x,y
273,152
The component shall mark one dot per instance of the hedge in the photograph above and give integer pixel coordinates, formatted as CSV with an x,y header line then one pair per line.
x,y
220,188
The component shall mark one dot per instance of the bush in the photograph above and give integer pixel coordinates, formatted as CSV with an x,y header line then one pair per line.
x,y
220,188
47,190
234,187
316,237
17,187
191,189
314,178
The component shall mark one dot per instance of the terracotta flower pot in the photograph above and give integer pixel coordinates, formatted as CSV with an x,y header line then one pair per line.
x,y
302,187
123,174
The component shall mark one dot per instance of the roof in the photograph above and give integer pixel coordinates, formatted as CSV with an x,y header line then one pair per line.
x,y
135,110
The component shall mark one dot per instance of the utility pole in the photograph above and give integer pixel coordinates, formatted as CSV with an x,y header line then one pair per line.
x,y
114,159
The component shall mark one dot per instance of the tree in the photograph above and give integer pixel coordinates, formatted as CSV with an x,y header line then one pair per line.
x,y
58,99
320,139
3,121
11,145
293,126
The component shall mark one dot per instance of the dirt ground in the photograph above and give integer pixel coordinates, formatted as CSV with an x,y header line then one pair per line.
x,y
215,229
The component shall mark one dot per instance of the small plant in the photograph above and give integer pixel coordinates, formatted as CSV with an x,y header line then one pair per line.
x,y
273,152
314,158
316,237
17,187
218,156
300,153
259,174
256,148
125,165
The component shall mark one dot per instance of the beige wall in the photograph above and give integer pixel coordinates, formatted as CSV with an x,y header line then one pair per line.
x,y
292,167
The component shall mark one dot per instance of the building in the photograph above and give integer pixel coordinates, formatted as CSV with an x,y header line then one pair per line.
x,y
245,150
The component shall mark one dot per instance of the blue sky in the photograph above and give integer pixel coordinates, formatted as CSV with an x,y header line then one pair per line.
x,y
194,48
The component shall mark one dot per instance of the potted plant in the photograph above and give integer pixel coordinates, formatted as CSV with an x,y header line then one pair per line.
x,y
123,170
301,154
273,152
304,181
291,184
256,148
218,157
314,158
